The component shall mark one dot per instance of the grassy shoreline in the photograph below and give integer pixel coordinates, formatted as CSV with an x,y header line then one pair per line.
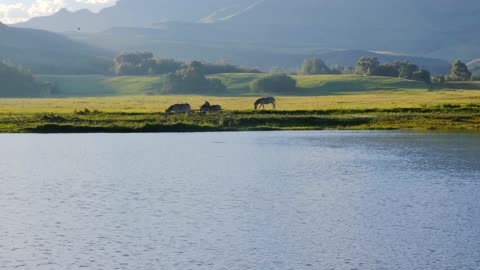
x,y
442,117
349,102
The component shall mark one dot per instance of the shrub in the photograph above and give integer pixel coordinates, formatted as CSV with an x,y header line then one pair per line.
x,y
190,79
276,83
422,76
314,67
439,79
460,72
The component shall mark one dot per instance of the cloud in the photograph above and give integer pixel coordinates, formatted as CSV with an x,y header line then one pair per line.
x,y
19,12
12,13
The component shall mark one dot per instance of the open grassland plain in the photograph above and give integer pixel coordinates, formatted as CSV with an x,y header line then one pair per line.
x,y
129,104
238,84
413,110
430,118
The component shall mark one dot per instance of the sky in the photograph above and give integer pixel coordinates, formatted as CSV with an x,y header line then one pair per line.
x,y
13,11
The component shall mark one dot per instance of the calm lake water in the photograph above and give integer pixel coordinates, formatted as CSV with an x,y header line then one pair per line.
x,y
279,200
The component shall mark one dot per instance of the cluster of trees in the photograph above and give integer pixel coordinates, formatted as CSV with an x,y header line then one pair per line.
x,y
317,66
460,72
190,78
314,67
407,70
18,81
144,63
275,83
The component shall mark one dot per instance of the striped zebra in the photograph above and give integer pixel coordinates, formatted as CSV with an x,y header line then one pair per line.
x,y
207,108
178,108
263,101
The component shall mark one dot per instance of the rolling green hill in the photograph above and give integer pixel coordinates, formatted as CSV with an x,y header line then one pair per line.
x,y
237,84
98,85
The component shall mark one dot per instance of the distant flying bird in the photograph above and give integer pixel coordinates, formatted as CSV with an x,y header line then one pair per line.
x,y
78,28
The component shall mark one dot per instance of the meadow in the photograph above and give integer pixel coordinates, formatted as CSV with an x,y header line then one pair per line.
x,y
133,104
238,85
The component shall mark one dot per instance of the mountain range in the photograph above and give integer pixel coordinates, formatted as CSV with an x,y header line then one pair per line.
x,y
431,28
280,33
47,52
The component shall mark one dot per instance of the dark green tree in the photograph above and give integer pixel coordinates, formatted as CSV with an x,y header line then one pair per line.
x,y
388,70
314,67
367,66
275,83
406,69
190,78
460,71
336,69
422,75
136,63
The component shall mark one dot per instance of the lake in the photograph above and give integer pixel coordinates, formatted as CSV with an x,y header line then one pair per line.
x,y
253,200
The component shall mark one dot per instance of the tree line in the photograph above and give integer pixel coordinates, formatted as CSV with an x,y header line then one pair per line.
x,y
371,66
145,63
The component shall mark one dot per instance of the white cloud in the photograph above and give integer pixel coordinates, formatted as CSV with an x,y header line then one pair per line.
x,y
18,12
12,13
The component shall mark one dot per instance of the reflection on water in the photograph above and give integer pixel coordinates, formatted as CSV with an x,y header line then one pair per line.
x,y
281,200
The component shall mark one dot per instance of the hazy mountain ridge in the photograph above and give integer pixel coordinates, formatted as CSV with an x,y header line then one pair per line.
x,y
262,55
47,52
432,28
137,13
474,64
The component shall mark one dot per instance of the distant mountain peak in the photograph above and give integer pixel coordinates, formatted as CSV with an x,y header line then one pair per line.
x,y
443,28
63,10
226,13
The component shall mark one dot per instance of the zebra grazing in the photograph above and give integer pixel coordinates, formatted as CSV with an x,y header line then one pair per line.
x,y
178,108
263,101
207,108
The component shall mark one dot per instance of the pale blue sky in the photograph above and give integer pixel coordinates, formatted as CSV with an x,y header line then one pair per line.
x,y
12,11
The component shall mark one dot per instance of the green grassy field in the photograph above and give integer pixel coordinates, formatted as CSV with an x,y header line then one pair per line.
x,y
130,104
157,104
446,117
237,84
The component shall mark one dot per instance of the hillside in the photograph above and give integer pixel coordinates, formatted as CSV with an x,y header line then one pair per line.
x,y
51,53
16,81
434,28
237,84
474,64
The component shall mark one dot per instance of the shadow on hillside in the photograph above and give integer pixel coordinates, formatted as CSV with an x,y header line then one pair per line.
x,y
460,86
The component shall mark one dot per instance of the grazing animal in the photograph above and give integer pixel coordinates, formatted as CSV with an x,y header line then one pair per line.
x,y
178,108
207,108
263,101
